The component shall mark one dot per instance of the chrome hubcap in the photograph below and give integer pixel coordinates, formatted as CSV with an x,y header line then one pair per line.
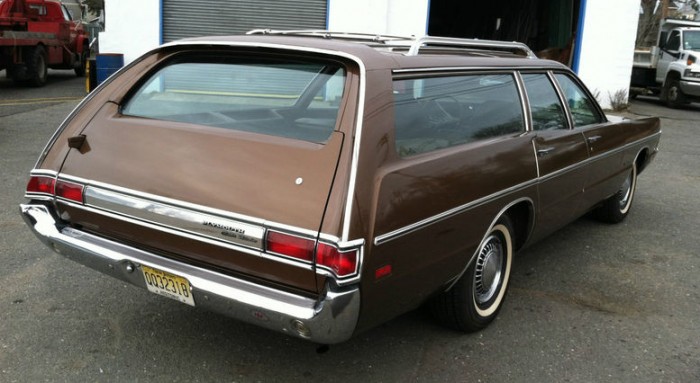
x,y
489,265
626,192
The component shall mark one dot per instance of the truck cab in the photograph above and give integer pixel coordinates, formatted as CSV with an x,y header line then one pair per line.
x,y
671,68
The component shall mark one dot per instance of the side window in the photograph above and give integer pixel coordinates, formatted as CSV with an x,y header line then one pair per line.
x,y
438,112
547,111
583,111
674,42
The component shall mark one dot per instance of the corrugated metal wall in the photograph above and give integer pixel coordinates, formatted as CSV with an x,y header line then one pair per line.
x,y
190,18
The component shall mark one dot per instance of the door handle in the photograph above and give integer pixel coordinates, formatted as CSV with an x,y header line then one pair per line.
x,y
544,151
593,139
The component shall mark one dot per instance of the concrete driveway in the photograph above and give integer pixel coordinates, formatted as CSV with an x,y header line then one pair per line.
x,y
592,303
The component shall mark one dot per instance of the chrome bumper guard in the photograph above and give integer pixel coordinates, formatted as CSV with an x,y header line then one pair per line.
x,y
331,319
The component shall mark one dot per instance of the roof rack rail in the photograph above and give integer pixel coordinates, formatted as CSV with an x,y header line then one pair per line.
x,y
411,43
357,36
470,44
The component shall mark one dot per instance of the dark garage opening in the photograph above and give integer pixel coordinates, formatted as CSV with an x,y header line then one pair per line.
x,y
547,26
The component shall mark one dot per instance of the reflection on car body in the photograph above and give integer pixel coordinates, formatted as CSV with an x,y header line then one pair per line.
x,y
320,183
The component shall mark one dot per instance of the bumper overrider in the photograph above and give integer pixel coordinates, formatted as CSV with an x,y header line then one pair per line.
x,y
330,319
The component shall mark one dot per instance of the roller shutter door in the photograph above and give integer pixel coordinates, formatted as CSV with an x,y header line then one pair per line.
x,y
190,18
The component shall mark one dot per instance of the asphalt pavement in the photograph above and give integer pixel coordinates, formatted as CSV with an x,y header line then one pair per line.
x,y
592,303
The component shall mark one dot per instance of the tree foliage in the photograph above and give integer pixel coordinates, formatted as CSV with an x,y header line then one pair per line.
x,y
94,6
650,17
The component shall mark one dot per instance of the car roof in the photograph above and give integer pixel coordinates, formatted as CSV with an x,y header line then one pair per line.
x,y
376,55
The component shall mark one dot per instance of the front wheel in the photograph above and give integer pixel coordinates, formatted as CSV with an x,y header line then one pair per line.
x,y
474,301
615,208
674,96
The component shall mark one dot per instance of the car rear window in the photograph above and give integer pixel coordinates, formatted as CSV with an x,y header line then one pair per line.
x,y
432,113
279,97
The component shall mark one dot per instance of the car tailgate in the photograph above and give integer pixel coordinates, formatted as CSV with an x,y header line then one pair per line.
x,y
202,194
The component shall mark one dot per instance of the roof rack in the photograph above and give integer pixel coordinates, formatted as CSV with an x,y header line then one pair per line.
x,y
471,44
411,43
356,36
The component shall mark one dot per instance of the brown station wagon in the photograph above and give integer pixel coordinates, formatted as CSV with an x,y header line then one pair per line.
x,y
320,183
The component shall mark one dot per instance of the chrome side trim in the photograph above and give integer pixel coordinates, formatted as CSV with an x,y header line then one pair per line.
x,y
205,225
357,139
331,318
386,237
216,227
381,239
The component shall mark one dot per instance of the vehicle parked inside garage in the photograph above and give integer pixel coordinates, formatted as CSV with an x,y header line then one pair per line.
x,y
320,183
39,34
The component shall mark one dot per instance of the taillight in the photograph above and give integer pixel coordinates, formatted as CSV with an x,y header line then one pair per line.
x,y
341,263
56,188
41,184
291,246
70,191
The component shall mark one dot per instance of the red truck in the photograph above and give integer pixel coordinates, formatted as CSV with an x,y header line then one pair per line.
x,y
39,34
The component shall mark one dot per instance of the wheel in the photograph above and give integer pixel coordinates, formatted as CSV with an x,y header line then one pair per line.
x,y
81,64
674,96
37,70
616,208
474,301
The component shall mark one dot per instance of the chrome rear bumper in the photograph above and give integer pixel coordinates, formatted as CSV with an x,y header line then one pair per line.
x,y
331,319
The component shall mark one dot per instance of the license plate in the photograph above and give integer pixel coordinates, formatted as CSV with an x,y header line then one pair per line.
x,y
168,285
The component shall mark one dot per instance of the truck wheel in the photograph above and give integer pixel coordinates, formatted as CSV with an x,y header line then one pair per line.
x,y
474,301
82,62
674,95
37,70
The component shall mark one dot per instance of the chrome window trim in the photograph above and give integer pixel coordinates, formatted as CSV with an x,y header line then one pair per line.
x,y
394,234
473,68
562,98
524,101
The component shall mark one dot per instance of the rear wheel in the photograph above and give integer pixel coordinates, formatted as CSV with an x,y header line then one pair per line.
x,y
616,208
82,62
474,301
37,70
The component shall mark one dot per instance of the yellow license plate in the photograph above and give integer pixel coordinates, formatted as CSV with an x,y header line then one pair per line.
x,y
168,285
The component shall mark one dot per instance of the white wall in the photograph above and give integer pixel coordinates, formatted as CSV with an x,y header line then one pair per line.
x,y
391,17
607,46
132,27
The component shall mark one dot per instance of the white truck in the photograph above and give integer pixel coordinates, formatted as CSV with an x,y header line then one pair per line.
x,y
671,68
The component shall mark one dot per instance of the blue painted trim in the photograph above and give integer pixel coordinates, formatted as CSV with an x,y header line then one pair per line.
x,y
579,36
160,38
427,18
328,12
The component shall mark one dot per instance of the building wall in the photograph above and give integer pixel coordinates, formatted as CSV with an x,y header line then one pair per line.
x,y
132,27
390,17
607,47
604,61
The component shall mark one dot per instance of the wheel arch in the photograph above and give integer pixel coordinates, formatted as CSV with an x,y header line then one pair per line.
x,y
642,159
521,213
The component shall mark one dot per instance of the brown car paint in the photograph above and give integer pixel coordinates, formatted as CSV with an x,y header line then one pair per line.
x,y
389,192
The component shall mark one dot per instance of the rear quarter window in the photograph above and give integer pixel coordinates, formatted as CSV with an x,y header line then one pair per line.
x,y
433,113
293,99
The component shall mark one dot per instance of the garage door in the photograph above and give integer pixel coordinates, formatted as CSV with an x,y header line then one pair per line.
x,y
190,18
